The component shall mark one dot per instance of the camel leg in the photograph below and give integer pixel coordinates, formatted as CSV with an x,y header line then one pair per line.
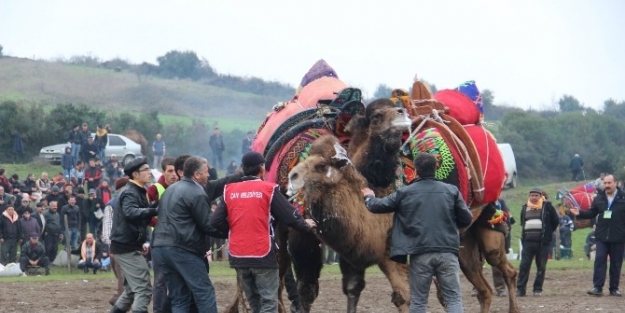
x,y
398,275
493,247
353,284
471,266
306,254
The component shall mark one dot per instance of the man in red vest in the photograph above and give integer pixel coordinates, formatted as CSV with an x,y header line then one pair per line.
x,y
247,212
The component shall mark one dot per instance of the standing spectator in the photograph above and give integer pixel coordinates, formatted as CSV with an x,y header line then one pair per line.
x,y
93,174
426,206
10,235
90,254
34,254
74,137
159,150
84,213
24,205
129,236
78,172
566,230
67,162
92,205
101,140
104,192
107,224
72,211
539,220
577,167
180,234
590,247
609,208
216,143
6,199
246,144
232,167
44,184
251,247
39,217
29,225
68,191
52,231
114,169
599,182
89,150
84,134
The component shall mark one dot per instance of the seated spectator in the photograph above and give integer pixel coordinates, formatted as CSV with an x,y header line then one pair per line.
x,y
90,254
43,184
10,235
34,254
78,172
15,184
114,169
29,184
29,225
590,246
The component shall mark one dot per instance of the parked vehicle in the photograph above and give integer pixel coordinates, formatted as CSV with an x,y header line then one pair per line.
x,y
509,163
125,149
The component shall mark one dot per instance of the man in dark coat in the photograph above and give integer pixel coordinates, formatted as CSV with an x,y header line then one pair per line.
x,y
609,208
428,216
577,167
29,226
216,143
34,254
89,150
10,235
52,232
538,219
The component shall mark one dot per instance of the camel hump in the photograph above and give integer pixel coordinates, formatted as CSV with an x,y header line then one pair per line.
x,y
137,137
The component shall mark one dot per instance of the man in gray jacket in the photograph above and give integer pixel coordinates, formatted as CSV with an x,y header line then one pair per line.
x,y
428,215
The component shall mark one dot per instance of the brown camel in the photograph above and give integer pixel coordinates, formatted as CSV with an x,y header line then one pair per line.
x,y
138,138
369,152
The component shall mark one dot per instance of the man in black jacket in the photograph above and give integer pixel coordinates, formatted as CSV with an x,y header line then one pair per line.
x,y
129,235
246,213
428,216
538,219
73,213
34,254
609,208
180,239
53,232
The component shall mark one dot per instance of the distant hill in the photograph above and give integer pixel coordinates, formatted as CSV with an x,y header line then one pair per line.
x,y
41,82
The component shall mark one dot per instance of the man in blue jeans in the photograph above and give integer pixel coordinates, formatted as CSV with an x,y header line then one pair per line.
x,y
428,215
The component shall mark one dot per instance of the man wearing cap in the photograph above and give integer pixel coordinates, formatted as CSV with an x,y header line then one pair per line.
x,y
34,254
246,214
609,208
129,234
91,205
52,232
29,225
538,221
54,194
24,205
577,167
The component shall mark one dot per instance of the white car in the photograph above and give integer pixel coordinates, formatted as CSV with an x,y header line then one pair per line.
x,y
125,149
509,163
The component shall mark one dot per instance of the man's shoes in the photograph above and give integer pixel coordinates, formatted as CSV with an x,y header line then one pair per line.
x,y
616,293
520,293
501,293
85,270
537,293
95,271
114,309
595,292
47,272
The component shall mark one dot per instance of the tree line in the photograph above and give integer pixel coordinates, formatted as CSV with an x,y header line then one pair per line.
x,y
38,126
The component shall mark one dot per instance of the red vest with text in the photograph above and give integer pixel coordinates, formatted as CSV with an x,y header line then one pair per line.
x,y
249,216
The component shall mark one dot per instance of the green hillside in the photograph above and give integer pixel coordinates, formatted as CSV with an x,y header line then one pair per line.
x,y
41,82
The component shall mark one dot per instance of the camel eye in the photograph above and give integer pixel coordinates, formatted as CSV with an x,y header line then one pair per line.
x,y
376,117
320,167
294,176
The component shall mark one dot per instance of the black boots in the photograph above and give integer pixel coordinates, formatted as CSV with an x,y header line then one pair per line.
x,y
115,309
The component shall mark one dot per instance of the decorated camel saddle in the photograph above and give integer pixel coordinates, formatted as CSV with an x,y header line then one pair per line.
x,y
323,104
580,197
449,125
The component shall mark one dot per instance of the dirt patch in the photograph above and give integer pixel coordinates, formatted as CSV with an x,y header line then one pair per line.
x,y
565,291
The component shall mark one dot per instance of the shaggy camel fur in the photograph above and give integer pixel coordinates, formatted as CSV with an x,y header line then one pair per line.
x,y
369,152
138,138
332,190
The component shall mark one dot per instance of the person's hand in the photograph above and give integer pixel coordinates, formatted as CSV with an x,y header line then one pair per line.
x,y
367,192
311,223
61,236
1,201
575,211
1,240
90,179
145,248
104,254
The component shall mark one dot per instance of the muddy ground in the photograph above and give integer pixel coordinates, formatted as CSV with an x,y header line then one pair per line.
x,y
565,291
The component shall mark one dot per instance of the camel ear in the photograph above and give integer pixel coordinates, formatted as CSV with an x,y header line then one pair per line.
x,y
357,124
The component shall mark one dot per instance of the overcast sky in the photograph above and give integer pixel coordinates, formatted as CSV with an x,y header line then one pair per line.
x,y
529,53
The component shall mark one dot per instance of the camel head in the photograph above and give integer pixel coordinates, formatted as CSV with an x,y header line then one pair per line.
x,y
382,122
327,166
